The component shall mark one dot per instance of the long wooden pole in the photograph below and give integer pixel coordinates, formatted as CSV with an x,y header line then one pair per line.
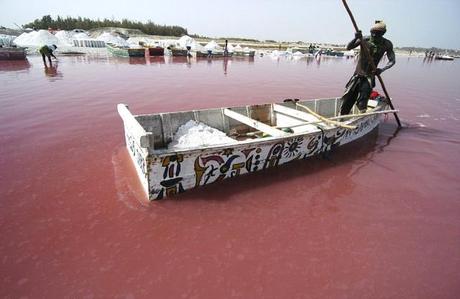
x,y
324,119
337,117
365,49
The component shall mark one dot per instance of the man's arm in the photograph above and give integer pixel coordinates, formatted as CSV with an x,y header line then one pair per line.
x,y
391,57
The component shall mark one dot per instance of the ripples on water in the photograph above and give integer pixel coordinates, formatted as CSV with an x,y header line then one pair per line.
x,y
376,219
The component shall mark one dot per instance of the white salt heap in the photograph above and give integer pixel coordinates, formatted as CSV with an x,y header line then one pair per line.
x,y
212,45
81,35
36,38
230,48
185,41
196,134
109,38
238,48
65,37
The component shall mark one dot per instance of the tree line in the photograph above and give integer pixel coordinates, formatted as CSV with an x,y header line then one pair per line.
x,y
70,23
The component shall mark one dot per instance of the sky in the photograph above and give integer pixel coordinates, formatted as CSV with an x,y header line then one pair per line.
x,y
421,23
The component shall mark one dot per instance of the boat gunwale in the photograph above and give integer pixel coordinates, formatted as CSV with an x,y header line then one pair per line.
x,y
190,150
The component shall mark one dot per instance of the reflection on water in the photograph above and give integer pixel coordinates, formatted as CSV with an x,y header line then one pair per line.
x,y
156,59
14,65
52,72
138,60
167,59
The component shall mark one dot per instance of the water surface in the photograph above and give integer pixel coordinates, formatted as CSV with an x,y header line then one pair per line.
x,y
376,219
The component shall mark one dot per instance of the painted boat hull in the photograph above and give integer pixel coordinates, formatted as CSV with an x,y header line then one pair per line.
x,y
136,52
166,173
157,51
126,52
117,51
179,52
12,53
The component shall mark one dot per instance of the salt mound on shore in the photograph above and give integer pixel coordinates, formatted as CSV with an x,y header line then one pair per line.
x,y
195,134
81,35
187,41
212,45
65,37
109,38
36,38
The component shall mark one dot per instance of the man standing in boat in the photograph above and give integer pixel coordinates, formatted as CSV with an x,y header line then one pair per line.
x,y
359,87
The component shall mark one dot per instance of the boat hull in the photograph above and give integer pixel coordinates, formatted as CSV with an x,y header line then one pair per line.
x,y
136,52
444,57
157,51
179,52
12,53
200,54
170,172
170,175
125,52
244,53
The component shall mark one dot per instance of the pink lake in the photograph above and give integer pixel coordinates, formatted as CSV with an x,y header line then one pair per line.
x,y
379,218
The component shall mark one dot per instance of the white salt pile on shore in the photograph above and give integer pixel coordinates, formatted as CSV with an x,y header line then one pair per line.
x,y
65,37
36,38
195,134
212,45
187,41
109,38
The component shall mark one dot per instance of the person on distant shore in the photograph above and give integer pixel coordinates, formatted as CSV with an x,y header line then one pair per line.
x,y
48,52
226,48
359,87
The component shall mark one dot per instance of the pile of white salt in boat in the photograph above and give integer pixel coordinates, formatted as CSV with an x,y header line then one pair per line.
x,y
196,134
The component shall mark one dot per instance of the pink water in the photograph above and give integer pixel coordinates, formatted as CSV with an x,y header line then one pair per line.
x,y
378,219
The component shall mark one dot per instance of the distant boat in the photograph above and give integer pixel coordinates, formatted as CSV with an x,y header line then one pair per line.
x,y
259,137
12,53
156,51
213,54
125,51
248,53
443,57
177,52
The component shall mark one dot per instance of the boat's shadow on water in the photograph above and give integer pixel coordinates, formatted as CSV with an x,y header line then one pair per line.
x,y
356,154
14,65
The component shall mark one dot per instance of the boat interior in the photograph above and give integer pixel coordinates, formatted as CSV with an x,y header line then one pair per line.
x,y
248,122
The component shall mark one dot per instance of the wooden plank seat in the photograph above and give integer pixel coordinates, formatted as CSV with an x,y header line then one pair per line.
x,y
255,124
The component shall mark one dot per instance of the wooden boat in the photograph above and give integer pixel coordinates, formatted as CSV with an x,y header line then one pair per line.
x,y
136,52
443,57
156,51
179,52
289,131
244,53
213,54
125,51
12,53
